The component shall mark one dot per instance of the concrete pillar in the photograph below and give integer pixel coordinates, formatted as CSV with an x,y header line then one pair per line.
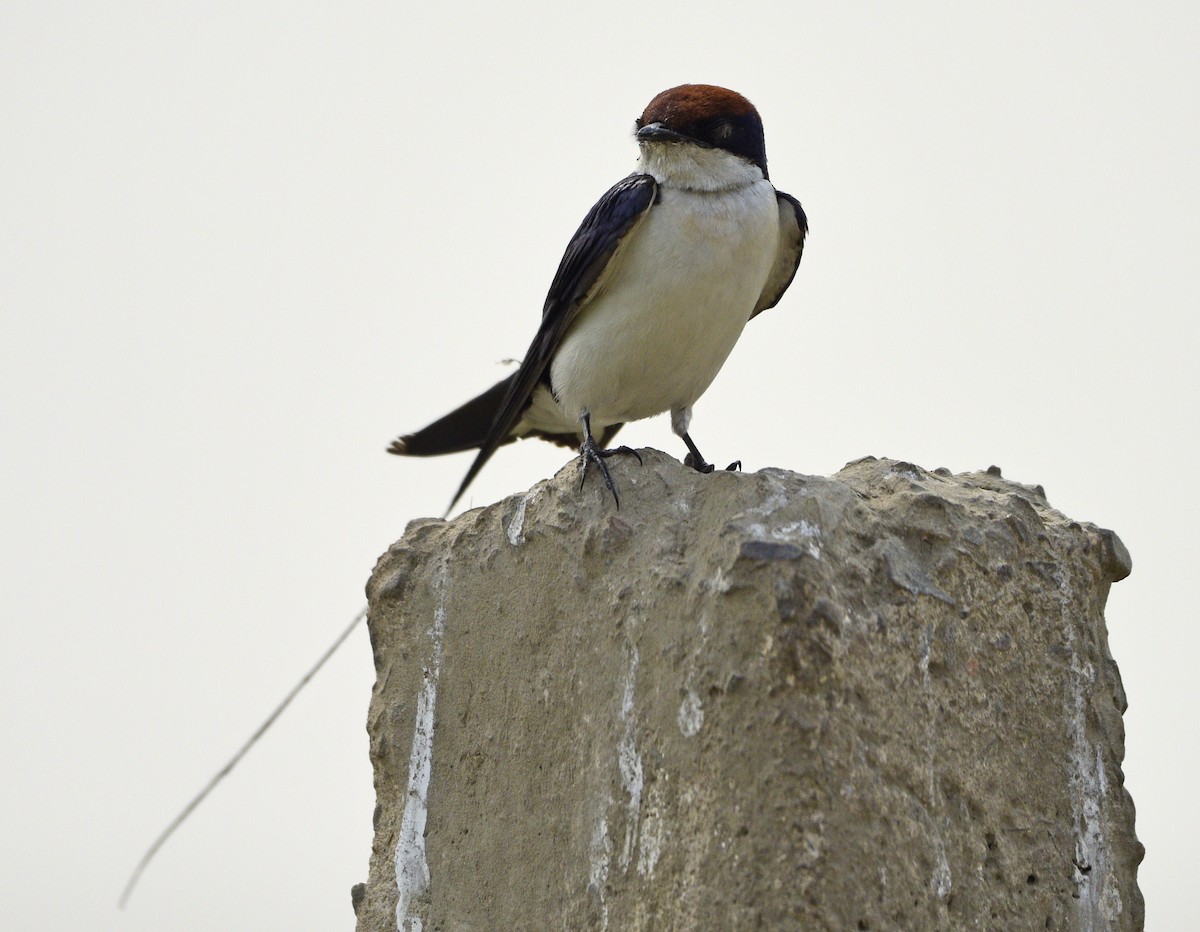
x,y
882,700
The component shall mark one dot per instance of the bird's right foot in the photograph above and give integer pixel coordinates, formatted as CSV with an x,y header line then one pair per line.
x,y
590,452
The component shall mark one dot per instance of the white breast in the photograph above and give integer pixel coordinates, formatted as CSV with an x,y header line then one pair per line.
x,y
672,307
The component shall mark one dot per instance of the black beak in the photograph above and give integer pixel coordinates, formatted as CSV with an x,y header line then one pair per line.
x,y
656,132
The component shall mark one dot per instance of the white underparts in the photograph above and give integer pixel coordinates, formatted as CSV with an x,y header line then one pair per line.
x,y
673,302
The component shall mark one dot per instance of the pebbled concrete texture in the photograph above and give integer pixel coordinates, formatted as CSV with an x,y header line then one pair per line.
x,y
879,700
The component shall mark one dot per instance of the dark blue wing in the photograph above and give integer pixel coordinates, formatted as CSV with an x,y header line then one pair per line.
x,y
589,252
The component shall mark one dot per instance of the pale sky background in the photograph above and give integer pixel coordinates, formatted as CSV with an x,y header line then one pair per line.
x,y
243,245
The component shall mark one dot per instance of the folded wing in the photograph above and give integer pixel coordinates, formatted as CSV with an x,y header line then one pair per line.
x,y
793,227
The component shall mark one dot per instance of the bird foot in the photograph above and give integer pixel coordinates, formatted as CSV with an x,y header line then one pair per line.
x,y
696,461
706,468
590,452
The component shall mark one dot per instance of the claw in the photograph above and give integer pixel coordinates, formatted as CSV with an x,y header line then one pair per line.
x,y
694,458
590,452
696,461
701,467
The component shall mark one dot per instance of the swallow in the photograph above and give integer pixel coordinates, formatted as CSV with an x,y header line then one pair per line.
x,y
651,294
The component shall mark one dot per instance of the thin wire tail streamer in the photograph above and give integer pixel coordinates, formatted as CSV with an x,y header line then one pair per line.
x,y
233,762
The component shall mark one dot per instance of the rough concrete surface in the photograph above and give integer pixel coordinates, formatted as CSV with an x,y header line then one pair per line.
x,y
881,700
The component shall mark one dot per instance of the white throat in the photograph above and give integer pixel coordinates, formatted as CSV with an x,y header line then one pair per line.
x,y
696,168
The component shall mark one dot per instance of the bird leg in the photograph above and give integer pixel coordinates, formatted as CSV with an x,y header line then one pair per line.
x,y
590,452
696,460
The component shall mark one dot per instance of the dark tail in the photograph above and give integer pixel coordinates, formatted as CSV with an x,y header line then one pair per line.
x,y
469,427
464,428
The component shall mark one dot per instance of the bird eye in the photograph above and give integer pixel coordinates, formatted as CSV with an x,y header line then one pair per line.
x,y
722,130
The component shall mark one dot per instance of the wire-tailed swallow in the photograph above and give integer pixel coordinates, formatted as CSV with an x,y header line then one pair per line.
x,y
653,291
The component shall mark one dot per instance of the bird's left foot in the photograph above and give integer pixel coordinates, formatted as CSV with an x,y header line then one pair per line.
x,y
696,461
706,468
590,452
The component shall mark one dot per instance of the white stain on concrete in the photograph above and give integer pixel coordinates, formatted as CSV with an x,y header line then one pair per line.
x,y
691,714
1099,901
412,867
803,533
908,474
599,856
1089,786
923,663
718,583
651,838
776,497
630,762
799,533
812,534
942,881
516,527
